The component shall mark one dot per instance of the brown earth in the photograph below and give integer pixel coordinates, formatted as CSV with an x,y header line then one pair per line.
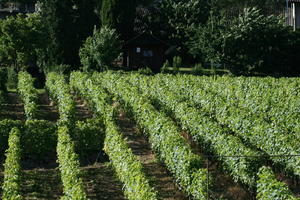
x,y
12,108
46,109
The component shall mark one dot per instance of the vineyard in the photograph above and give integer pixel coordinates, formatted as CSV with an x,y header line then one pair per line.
x,y
117,135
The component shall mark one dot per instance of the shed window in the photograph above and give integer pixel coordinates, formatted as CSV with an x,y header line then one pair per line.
x,y
148,53
138,49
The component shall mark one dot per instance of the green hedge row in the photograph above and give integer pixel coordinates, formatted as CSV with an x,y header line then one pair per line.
x,y
69,166
127,166
204,130
28,94
12,168
88,136
255,129
5,127
268,188
60,93
167,142
67,157
38,138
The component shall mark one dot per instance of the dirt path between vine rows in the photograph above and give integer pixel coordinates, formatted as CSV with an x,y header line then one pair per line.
x,y
82,112
46,109
160,178
42,180
100,181
12,108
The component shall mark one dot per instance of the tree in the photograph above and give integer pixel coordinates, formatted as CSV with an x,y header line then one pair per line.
x,y
100,50
251,43
20,39
69,23
58,17
182,17
119,14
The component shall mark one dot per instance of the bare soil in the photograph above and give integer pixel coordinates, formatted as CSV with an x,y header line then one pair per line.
x,y
82,111
100,182
12,108
46,109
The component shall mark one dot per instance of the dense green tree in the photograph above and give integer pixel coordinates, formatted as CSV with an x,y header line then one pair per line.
x,y
178,19
87,15
58,17
20,38
249,44
69,23
119,14
100,50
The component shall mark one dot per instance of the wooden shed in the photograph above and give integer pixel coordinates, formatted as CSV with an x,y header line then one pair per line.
x,y
144,50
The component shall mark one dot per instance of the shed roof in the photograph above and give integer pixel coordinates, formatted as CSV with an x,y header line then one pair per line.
x,y
146,39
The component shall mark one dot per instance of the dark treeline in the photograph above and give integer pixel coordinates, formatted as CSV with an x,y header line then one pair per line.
x,y
201,32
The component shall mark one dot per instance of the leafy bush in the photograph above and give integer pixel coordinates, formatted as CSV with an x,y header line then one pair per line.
x,y
126,164
254,42
249,43
60,92
167,142
34,142
12,167
39,139
100,50
268,188
28,94
88,136
20,37
5,127
69,166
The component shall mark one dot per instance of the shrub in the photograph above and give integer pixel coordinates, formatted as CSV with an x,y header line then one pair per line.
x,y
39,139
254,42
5,127
28,94
268,188
250,43
12,168
69,166
100,50
88,136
